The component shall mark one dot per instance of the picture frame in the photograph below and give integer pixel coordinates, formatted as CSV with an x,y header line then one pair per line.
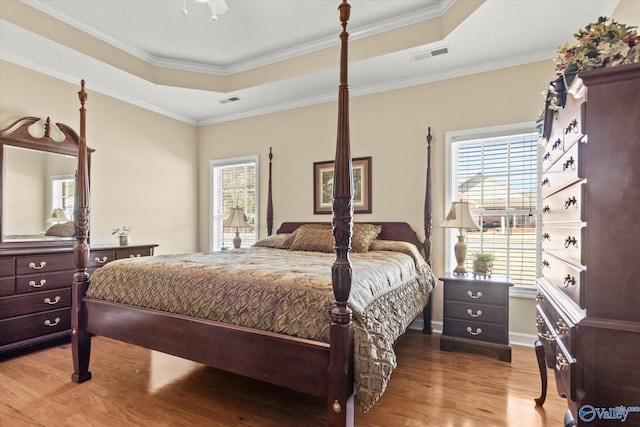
x,y
323,186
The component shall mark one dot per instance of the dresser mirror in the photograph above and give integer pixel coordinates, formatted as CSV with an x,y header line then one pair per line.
x,y
39,163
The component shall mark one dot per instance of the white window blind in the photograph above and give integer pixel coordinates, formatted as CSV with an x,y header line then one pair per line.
x,y
499,176
62,194
233,184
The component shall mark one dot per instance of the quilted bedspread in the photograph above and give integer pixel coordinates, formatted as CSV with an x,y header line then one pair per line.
x,y
284,291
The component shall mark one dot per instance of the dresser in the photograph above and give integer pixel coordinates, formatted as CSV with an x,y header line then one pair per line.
x,y
588,302
476,314
35,291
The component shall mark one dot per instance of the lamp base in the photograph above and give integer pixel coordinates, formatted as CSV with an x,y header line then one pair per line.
x,y
460,250
237,241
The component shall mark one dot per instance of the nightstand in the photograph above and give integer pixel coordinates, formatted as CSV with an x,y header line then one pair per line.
x,y
476,314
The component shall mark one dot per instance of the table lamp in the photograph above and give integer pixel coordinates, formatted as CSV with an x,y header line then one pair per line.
x,y
459,217
237,220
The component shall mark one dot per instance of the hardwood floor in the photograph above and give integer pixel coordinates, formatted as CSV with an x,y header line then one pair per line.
x,y
136,387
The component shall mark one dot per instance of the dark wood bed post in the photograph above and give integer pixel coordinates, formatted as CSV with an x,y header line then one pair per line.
x,y
426,313
340,398
80,339
270,199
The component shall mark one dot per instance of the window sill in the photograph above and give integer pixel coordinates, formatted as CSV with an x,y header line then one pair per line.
x,y
528,292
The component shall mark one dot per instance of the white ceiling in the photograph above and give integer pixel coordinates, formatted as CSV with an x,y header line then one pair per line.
x,y
257,33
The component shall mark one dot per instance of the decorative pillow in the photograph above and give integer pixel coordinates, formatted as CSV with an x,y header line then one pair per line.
x,y
363,236
313,237
66,229
277,241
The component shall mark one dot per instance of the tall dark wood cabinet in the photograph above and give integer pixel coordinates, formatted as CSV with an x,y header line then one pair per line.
x,y
588,311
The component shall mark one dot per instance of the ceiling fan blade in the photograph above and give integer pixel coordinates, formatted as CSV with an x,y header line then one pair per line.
x,y
217,7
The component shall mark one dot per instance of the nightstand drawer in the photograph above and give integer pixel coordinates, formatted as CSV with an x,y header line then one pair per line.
x,y
477,312
477,331
35,302
34,325
480,293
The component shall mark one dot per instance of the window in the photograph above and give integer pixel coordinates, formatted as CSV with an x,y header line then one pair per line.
x,y
233,184
62,194
498,171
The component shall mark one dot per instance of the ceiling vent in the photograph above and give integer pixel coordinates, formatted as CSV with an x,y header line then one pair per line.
x,y
228,100
419,56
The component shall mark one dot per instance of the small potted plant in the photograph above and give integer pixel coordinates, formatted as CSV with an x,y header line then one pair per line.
x,y
482,264
123,234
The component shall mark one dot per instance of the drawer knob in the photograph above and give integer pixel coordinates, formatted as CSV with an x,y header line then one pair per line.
x,y
539,297
546,236
50,323
568,164
40,284
561,362
545,263
52,302
569,280
477,314
556,144
539,320
573,126
101,261
571,201
33,265
546,182
546,157
476,296
570,240
562,327
476,333
546,209
547,336
135,256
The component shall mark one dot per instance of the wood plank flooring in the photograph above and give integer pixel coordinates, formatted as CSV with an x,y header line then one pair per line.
x,y
132,386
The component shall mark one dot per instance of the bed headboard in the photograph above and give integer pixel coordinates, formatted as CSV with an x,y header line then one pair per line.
x,y
390,231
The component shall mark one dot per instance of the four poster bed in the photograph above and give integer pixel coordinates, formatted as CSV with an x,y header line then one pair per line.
x,y
315,308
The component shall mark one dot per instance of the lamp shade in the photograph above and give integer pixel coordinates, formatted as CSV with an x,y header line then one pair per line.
x,y
58,215
459,216
237,219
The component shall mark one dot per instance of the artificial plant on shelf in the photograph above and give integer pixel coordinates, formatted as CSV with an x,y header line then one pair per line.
x,y
605,43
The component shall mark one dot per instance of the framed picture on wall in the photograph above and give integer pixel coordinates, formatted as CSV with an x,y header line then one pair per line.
x,y
323,186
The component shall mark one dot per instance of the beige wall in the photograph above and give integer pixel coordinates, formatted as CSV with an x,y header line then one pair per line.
x,y
391,128
143,172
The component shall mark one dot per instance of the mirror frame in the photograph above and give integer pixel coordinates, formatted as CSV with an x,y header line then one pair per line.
x,y
17,135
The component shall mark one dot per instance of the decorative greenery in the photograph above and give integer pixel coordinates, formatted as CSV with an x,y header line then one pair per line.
x,y
121,231
605,43
483,256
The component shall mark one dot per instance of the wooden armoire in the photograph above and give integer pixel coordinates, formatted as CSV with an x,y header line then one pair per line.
x,y
588,310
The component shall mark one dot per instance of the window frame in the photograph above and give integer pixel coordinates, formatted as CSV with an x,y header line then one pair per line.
x,y
526,291
230,162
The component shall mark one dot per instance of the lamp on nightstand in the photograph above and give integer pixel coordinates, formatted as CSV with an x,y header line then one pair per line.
x,y
459,217
237,220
